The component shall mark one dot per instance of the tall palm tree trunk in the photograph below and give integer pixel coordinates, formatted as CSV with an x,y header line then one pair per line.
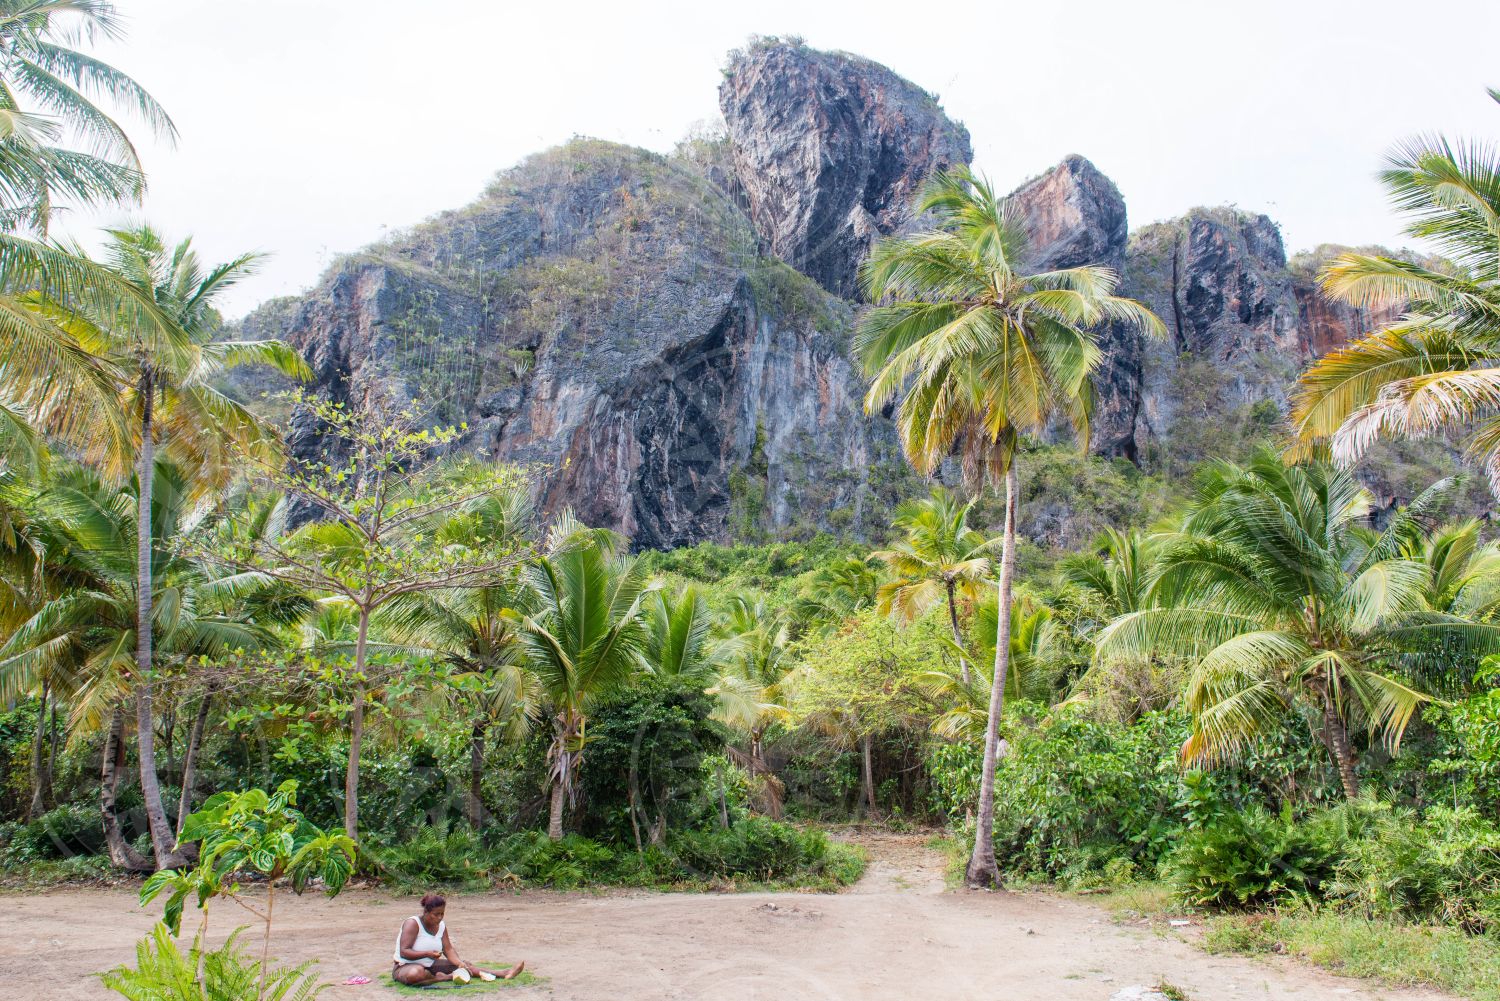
x,y
121,853
958,640
356,729
555,814
1336,735
39,759
982,870
476,773
190,760
51,769
163,840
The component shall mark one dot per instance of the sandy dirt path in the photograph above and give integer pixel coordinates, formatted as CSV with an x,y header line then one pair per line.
x,y
896,935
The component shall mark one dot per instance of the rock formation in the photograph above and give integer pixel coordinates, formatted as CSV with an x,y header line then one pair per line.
x,y
830,150
665,339
602,314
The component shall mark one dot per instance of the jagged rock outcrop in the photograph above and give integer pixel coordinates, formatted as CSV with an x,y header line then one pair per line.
x,y
1075,216
665,339
602,314
830,149
1218,280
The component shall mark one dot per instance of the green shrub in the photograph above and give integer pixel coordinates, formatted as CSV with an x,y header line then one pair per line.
x,y
435,856
1441,867
62,833
164,973
1075,793
644,764
765,851
1253,857
573,861
953,769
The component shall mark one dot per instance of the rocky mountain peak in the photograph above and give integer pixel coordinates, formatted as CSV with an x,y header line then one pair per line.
x,y
664,340
830,149
1075,215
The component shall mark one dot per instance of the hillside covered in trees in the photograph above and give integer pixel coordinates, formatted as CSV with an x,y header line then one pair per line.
x,y
652,519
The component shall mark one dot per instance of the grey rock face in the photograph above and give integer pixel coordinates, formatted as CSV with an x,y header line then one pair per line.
x,y
1218,280
1076,216
602,315
830,150
665,339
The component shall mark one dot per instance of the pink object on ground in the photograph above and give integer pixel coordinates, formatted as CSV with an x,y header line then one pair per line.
x,y
357,981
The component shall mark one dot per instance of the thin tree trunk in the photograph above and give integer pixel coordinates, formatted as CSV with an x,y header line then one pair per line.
x,y
38,758
869,774
121,854
555,818
1337,737
169,738
356,730
163,842
958,640
190,760
982,870
476,774
48,796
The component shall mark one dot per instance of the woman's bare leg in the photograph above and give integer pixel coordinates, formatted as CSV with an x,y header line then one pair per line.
x,y
415,975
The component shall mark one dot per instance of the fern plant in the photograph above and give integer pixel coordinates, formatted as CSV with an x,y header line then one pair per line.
x,y
163,972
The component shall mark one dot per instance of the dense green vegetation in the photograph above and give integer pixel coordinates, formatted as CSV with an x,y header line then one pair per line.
x,y
1231,674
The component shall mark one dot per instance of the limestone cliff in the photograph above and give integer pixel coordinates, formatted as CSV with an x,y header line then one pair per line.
x,y
665,338
830,150
603,315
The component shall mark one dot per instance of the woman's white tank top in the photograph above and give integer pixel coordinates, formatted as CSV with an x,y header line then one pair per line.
x,y
426,941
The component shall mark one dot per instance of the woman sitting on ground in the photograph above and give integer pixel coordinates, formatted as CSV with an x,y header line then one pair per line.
x,y
425,953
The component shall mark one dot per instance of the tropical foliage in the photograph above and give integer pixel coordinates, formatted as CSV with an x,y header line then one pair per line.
x,y
1259,687
980,353
1434,368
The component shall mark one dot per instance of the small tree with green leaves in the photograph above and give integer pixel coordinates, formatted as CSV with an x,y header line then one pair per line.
x,y
382,492
251,832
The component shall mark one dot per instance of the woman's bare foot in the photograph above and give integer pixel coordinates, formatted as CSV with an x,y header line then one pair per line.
x,y
514,971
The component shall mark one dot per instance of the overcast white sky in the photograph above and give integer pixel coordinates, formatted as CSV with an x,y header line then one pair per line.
x,y
309,127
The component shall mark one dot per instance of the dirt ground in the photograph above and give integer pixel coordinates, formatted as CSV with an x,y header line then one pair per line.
x,y
896,935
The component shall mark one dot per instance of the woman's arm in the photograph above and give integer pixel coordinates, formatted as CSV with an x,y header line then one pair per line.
x,y
451,952
409,938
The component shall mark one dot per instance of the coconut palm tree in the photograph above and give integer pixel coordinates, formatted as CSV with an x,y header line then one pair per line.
x,y
752,688
940,557
1279,600
1117,577
1437,368
166,373
584,636
476,631
86,631
981,351
50,92
1463,573
1033,642
833,594
680,639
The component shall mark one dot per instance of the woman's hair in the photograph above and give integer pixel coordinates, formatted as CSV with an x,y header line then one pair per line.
x,y
432,902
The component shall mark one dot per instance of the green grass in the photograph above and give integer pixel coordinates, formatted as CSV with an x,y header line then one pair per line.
x,y
1151,901
1396,954
1171,991
956,855
476,986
